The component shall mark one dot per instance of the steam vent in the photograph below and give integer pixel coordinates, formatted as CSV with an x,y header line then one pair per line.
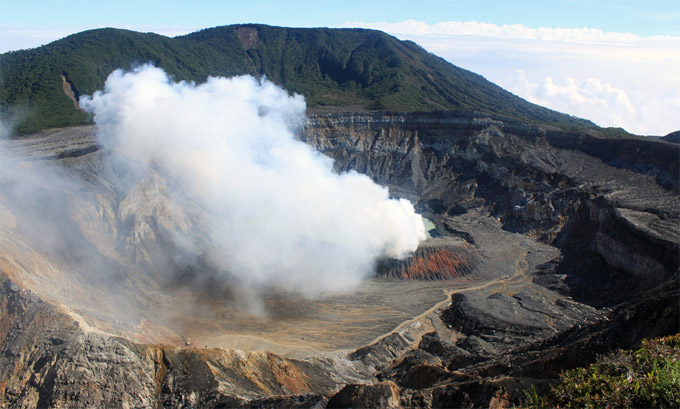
x,y
169,252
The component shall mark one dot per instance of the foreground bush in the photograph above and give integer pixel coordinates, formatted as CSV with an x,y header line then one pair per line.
x,y
646,378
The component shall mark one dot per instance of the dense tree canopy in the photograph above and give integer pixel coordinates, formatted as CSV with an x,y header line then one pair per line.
x,y
352,68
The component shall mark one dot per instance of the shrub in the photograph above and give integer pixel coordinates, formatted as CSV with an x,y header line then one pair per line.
x,y
645,378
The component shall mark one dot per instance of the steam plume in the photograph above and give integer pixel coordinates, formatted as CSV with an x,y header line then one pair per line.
x,y
279,215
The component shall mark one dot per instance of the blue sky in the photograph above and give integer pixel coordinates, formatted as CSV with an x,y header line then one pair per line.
x,y
655,17
614,62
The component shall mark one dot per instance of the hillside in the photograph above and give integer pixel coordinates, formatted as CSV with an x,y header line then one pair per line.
x,y
356,69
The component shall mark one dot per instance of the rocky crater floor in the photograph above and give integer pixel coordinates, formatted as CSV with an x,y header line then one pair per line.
x,y
546,248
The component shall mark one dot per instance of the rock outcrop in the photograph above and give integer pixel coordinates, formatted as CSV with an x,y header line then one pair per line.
x,y
438,258
610,205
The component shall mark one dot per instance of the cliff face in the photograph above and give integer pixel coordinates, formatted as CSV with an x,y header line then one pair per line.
x,y
547,246
609,205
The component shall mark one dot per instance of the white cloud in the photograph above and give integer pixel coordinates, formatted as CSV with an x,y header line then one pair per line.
x,y
613,79
18,38
517,31
13,37
602,103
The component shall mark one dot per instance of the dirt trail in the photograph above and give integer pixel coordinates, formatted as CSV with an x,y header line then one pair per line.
x,y
424,318
500,249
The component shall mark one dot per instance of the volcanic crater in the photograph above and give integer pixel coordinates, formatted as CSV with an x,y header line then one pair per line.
x,y
540,242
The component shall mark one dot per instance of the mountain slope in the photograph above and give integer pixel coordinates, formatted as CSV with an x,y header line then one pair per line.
x,y
352,68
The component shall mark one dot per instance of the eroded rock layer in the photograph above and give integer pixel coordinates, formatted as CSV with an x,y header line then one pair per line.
x,y
440,258
610,205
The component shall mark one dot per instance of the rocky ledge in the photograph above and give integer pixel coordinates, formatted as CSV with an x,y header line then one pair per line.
x,y
610,206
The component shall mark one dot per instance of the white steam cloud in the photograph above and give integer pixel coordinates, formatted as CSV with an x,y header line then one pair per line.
x,y
279,215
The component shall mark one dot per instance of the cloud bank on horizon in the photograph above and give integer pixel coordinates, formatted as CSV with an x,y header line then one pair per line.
x,y
613,79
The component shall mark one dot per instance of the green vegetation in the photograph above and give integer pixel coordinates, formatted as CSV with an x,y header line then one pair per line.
x,y
646,378
357,68
616,133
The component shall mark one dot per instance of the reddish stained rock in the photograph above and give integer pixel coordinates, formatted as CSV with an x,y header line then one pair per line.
x,y
435,259
438,264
